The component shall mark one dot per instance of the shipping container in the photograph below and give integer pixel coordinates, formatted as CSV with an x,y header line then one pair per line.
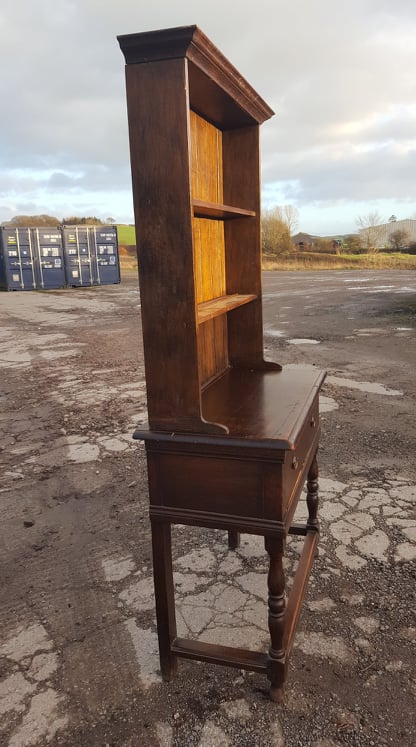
x,y
105,248
17,259
91,255
78,255
49,260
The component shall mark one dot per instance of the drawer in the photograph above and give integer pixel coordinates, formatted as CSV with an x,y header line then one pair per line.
x,y
297,461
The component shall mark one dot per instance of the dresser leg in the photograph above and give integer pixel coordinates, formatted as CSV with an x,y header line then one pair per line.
x,y
277,604
233,539
312,498
165,597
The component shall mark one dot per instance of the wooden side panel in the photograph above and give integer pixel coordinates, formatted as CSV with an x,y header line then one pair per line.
x,y
209,246
197,482
243,259
159,148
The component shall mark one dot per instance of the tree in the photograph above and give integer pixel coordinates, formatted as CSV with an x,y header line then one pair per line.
x,y
371,231
290,216
33,220
275,232
110,220
352,244
398,240
74,220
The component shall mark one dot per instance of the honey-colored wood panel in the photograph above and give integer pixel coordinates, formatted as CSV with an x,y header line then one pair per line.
x,y
209,245
213,348
206,184
206,160
209,259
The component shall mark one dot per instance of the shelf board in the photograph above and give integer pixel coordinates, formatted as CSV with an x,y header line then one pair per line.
x,y
216,211
221,305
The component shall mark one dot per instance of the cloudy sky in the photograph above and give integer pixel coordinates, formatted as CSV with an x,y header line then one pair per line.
x,y
341,77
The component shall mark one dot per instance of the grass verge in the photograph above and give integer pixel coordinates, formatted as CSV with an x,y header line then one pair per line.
x,y
315,261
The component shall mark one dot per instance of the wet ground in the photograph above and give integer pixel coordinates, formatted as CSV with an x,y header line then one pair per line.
x,y
78,649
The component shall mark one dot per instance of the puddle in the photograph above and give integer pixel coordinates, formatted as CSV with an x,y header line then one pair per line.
x,y
327,404
275,333
355,280
371,331
301,341
364,386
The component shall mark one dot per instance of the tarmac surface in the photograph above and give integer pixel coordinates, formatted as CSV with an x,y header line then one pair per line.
x,y
78,645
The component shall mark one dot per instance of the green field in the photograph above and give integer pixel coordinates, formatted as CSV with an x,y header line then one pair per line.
x,y
126,235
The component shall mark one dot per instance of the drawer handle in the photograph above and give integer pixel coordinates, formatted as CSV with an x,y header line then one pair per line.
x,y
313,422
295,463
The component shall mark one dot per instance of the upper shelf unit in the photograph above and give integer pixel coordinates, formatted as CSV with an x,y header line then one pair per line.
x,y
194,147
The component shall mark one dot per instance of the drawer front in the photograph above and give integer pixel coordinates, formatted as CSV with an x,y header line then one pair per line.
x,y
297,462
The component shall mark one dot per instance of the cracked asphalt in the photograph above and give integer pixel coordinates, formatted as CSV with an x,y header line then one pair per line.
x,y
78,645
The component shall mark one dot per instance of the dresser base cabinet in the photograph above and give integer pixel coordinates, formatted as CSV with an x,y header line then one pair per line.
x,y
250,485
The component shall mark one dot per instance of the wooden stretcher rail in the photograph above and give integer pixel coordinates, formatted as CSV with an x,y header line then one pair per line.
x,y
226,655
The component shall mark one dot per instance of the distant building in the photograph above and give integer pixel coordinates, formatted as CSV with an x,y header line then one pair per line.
x,y
304,241
381,234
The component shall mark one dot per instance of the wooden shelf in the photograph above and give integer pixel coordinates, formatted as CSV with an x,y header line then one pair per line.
x,y
216,211
218,306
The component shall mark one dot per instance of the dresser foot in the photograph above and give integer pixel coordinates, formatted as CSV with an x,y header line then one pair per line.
x,y
276,693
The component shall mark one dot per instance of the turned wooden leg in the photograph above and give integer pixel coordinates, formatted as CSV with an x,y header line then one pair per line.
x,y
233,539
165,597
277,604
312,498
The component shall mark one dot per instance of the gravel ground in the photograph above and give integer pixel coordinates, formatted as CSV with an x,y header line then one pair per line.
x,y
78,647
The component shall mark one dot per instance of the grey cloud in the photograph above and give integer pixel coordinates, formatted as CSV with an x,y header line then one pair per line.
x,y
340,77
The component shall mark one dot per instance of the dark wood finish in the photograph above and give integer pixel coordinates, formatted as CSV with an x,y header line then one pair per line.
x,y
297,592
233,540
163,222
277,604
312,498
243,265
219,92
226,655
165,599
232,438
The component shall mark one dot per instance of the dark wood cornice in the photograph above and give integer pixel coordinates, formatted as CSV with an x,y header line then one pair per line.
x,y
191,43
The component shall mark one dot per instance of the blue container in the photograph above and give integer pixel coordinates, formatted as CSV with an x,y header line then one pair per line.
x,y
49,263
104,244
17,259
78,255
91,255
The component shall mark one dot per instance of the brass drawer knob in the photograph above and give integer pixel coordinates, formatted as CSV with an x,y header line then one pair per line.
x,y
295,463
